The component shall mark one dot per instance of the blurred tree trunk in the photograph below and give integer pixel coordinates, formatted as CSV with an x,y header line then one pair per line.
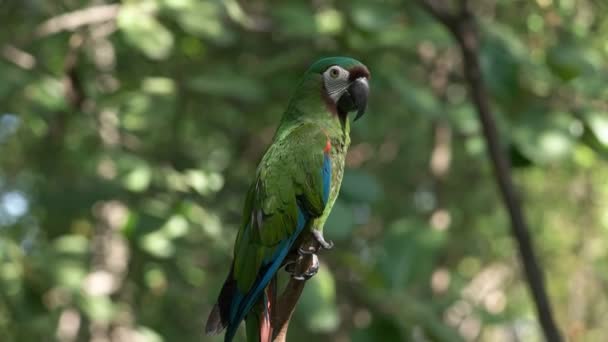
x,y
461,24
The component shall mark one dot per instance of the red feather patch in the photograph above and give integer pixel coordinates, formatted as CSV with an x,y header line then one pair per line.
x,y
327,148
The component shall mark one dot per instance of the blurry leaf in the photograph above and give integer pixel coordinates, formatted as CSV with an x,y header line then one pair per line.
x,y
142,30
598,123
155,277
46,92
192,47
567,60
508,38
136,112
11,270
329,21
210,223
198,180
131,224
145,334
204,182
544,137
98,308
72,244
177,181
158,85
465,119
500,62
157,244
584,156
176,227
69,273
555,143
139,179
200,18
595,133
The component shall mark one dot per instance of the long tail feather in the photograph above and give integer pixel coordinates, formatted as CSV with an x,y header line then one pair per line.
x,y
259,319
214,322
245,302
270,294
219,316
234,306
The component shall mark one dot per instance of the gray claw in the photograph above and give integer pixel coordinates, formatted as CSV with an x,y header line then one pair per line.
x,y
319,237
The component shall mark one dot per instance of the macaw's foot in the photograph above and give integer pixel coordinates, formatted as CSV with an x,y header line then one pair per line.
x,y
319,237
312,248
306,274
307,250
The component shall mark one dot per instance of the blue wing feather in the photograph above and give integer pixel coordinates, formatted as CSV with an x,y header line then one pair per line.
x,y
241,304
326,176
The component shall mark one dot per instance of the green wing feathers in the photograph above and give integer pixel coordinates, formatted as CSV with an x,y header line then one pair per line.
x,y
288,175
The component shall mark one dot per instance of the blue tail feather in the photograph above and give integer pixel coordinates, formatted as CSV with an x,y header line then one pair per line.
x,y
242,303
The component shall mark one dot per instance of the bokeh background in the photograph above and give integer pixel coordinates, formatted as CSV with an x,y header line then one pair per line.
x,y
129,132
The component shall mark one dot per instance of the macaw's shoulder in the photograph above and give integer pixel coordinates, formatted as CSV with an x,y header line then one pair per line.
x,y
301,136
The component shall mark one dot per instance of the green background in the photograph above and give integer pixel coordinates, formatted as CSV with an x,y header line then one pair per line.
x,y
119,206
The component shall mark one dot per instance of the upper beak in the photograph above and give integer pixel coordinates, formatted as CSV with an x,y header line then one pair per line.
x,y
359,91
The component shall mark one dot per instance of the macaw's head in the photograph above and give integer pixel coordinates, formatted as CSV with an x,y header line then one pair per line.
x,y
344,84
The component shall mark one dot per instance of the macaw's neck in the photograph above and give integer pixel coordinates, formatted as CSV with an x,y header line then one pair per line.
x,y
309,104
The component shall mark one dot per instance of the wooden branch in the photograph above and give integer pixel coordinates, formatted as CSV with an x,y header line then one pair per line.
x,y
20,58
286,306
73,20
462,26
439,9
286,303
65,22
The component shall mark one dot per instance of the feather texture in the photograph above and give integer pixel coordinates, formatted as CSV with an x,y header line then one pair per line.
x,y
296,184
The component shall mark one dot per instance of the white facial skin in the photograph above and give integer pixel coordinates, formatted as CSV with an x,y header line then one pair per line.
x,y
336,82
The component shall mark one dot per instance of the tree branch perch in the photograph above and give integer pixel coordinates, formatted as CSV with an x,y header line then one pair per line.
x,y
286,303
462,26
72,20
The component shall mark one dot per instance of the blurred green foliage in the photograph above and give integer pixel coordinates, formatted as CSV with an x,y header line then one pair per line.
x,y
129,132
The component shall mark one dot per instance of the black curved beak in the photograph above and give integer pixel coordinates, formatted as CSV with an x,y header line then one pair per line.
x,y
355,98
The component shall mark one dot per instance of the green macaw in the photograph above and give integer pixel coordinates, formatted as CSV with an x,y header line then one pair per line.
x,y
295,187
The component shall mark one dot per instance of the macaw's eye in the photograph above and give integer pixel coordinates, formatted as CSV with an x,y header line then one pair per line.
x,y
334,72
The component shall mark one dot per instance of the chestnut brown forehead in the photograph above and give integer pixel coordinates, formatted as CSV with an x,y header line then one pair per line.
x,y
357,72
